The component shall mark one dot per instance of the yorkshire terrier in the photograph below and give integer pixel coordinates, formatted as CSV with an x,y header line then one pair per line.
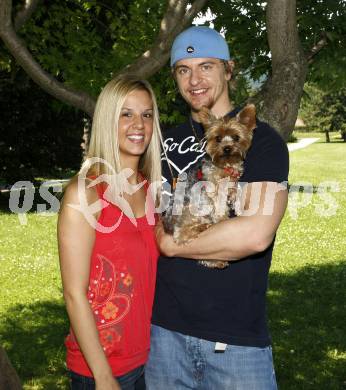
x,y
208,194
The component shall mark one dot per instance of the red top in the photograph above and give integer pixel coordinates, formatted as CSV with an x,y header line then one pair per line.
x,y
121,291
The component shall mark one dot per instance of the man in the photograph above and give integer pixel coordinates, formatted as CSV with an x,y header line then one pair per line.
x,y
209,327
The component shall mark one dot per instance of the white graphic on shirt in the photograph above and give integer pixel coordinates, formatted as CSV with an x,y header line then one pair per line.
x,y
182,148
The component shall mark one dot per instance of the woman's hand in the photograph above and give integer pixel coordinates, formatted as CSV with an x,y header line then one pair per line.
x,y
107,383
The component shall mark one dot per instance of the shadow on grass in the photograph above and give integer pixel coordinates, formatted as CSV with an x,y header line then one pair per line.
x,y
33,336
307,321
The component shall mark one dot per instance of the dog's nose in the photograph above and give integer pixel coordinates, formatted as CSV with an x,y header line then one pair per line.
x,y
227,150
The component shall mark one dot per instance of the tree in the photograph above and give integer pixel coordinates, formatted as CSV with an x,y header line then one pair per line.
x,y
324,111
144,66
321,26
291,42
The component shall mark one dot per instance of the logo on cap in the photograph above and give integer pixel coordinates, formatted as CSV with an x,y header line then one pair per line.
x,y
190,49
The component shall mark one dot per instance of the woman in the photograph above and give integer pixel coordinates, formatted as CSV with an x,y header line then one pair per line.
x,y
106,239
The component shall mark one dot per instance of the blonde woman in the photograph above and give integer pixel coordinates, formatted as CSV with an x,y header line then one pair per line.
x,y
107,247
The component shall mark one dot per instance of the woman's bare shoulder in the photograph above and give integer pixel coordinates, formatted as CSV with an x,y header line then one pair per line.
x,y
78,190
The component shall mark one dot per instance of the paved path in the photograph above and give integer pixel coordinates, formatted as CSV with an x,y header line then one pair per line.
x,y
304,142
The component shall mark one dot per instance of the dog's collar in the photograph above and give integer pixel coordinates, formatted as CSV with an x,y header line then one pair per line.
x,y
232,172
199,174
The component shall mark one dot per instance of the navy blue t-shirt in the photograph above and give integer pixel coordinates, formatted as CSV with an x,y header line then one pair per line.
x,y
227,305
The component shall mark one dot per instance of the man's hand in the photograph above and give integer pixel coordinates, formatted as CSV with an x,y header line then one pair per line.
x,y
165,241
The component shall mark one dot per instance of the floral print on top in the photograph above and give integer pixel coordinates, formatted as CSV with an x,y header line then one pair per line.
x,y
120,293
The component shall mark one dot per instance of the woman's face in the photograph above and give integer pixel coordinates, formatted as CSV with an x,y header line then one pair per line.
x,y
135,126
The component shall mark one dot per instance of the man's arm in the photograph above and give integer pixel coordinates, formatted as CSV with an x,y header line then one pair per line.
x,y
263,205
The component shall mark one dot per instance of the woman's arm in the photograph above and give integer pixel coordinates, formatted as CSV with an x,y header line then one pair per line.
x,y
76,239
263,206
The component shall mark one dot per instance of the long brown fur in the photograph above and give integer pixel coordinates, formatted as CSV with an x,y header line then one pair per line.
x,y
228,140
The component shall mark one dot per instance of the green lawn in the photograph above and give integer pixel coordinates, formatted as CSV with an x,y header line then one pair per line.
x,y
306,296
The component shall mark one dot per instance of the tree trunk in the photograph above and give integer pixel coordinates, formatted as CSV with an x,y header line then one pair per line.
x,y
278,101
9,379
343,135
327,136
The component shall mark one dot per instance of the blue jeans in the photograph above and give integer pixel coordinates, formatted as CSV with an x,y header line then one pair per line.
x,y
128,381
179,362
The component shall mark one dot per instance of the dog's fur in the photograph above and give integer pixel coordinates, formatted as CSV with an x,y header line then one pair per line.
x,y
228,140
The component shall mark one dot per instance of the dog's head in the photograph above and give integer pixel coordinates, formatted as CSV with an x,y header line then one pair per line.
x,y
228,139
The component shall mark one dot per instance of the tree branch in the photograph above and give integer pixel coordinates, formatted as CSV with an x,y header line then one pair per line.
x,y
317,48
175,19
25,13
193,11
23,57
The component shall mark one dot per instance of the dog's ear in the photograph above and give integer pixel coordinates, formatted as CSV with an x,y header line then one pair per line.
x,y
247,116
206,117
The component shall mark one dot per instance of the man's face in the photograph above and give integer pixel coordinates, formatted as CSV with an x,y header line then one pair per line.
x,y
202,82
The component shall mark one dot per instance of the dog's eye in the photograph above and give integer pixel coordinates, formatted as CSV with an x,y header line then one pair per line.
x,y
236,138
218,138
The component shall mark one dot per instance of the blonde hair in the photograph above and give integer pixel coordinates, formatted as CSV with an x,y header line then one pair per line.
x,y
104,141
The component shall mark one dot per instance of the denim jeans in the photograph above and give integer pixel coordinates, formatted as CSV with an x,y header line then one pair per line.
x,y
129,381
179,362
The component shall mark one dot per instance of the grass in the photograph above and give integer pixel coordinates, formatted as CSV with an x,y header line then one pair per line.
x,y
32,316
306,297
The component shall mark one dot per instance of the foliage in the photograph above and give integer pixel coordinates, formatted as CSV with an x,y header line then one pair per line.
x,y
306,296
292,138
84,43
317,19
324,111
309,106
37,135
245,26
245,32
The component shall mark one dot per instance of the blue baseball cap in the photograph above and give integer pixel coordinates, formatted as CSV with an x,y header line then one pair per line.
x,y
199,42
